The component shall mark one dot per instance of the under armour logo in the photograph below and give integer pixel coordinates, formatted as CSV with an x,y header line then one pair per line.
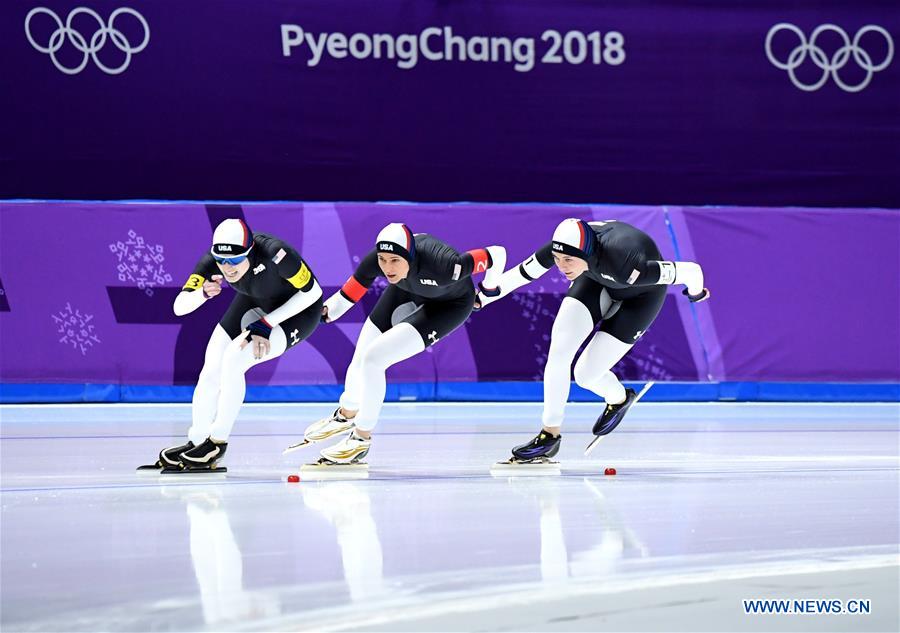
x,y
259,269
433,337
295,338
636,336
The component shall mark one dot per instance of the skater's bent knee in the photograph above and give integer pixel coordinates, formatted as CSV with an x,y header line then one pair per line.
x,y
375,359
582,373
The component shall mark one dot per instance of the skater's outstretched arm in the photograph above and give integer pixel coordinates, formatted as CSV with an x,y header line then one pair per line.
x,y
490,260
450,266
526,272
633,269
688,274
353,289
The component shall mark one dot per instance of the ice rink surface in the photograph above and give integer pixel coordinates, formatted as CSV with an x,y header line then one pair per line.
x,y
712,504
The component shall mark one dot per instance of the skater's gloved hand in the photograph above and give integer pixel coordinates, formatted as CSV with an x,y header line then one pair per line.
x,y
703,296
261,345
258,336
212,287
260,328
484,296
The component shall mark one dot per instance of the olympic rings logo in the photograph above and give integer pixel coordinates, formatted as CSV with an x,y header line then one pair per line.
x,y
840,58
98,39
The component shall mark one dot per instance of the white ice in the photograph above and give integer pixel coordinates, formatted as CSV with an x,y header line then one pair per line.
x,y
712,504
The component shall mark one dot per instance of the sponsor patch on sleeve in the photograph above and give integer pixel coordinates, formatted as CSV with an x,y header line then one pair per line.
x,y
667,273
301,278
194,282
457,271
279,256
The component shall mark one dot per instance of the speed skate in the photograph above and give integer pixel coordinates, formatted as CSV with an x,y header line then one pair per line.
x,y
620,414
327,469
525,468
152,470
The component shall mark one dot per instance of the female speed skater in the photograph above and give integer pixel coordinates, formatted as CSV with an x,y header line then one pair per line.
x,y
429,295
277,304
619,280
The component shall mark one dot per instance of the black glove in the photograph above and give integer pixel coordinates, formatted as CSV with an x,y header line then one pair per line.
x,y
485,293
259,328
492,292
703,296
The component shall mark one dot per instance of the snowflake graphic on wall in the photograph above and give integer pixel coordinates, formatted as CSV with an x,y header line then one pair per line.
x,y
644,363
76,328
140,263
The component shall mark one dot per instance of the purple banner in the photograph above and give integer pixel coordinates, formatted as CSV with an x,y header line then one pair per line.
x,y
652,102
86,292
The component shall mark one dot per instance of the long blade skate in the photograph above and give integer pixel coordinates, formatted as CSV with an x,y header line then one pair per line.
x,y
149,470
194,473
152,470
322,430
513,467
326,469
297,446
596,440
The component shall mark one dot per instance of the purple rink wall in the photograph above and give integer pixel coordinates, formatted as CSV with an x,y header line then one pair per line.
x,y
762,107
807,296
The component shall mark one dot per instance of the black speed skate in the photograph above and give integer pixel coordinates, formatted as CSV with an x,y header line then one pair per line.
x,y
168,459
533,458
204,457
613,414
538,450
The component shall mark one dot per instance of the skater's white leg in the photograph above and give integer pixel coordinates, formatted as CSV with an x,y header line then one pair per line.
x,y
206,393
235,363
350,399
389,348
592,371
572,325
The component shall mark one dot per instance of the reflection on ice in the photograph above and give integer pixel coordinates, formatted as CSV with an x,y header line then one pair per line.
x,y
217,560
346,505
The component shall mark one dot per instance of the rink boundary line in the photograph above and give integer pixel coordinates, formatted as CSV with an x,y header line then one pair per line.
x,y
430,404
438,432
151,482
